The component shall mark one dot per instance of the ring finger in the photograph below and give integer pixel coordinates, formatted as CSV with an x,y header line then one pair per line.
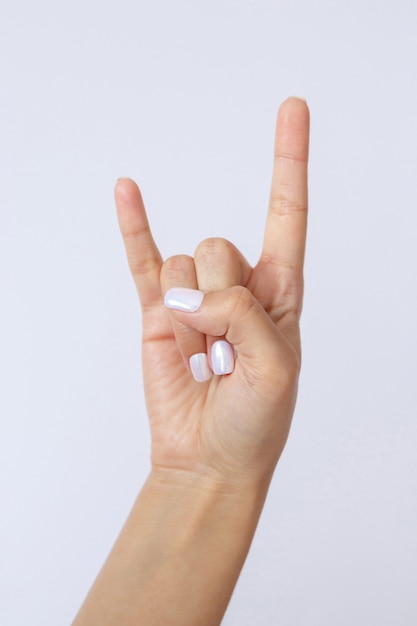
x,y
179,271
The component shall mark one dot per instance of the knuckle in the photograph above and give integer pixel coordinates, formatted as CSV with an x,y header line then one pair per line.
x,y
134,234
288,281
290,159
141,267
213,247
282,205
241,301
176,265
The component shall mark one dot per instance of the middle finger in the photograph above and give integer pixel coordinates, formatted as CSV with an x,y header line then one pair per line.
x,y
220,265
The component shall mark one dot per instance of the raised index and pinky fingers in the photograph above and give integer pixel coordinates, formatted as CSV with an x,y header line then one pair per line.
x,y
276,281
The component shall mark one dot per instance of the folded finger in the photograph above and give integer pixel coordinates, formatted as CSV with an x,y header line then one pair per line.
x,y
219,265
234,314
179,271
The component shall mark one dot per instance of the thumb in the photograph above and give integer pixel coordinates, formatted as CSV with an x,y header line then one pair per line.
x,y
235,314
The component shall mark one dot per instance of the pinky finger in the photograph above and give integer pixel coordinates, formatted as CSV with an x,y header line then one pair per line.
x,y
143,255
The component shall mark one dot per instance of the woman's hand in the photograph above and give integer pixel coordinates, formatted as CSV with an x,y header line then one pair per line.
x,y
214,443
232,426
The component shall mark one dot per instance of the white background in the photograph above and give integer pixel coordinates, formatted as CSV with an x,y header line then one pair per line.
x,y
182,96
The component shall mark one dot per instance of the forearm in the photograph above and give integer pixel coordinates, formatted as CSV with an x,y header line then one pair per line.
x,y
179,554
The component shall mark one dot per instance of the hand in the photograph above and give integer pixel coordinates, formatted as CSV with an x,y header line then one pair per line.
x,y
233,426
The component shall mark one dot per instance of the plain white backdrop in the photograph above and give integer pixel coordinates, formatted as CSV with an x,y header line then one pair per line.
x,y
182,96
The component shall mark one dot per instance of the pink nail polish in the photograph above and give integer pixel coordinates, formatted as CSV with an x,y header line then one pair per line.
x,y
200,368
222,357
183,299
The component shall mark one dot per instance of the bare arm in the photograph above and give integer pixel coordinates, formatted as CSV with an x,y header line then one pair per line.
x,y
215,443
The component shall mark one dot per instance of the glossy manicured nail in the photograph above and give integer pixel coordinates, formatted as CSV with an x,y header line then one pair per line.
x,y
183,299
200,368
222,357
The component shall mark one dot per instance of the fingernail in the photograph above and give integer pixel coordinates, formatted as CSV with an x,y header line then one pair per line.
x,y
199,367
222,357
183,299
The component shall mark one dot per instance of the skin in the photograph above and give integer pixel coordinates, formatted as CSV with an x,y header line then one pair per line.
x,y
215,444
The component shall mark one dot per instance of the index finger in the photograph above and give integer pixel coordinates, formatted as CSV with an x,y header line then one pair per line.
x,y
285,232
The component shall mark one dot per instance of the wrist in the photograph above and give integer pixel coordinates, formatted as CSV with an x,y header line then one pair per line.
x,y
193,501
180,552
206,480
